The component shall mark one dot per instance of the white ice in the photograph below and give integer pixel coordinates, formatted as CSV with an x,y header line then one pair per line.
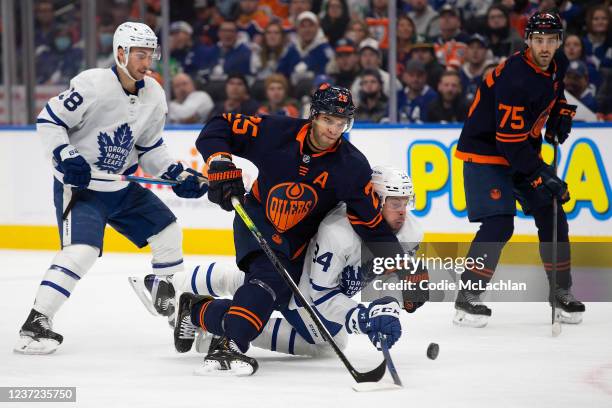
x,y
118,355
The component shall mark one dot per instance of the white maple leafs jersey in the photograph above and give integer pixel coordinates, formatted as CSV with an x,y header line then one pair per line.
x,y
114,131
332,271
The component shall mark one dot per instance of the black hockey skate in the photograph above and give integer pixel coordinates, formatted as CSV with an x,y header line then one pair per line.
x,y
225,358
569,310
184,330
470,312
36,335
162,293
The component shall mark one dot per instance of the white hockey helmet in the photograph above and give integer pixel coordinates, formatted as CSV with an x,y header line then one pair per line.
x,y
392,182
129,35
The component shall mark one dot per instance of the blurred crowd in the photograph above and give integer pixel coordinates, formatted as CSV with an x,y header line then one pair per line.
x,y
266,56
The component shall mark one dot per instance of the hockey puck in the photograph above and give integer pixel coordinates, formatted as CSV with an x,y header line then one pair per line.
x,y
432,351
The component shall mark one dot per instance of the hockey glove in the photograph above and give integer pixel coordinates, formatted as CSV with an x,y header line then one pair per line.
x,y
381,317
224,182
560,122
545,180
417,293
76,170
190,186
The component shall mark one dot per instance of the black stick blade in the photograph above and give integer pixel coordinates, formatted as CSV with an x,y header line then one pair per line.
x,y
371,376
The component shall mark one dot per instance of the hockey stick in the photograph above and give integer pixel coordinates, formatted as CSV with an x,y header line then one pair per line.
x,y
139,179
556,325
370,376
390,365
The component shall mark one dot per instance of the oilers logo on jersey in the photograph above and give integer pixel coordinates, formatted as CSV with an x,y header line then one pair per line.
x,y
290,203
114,151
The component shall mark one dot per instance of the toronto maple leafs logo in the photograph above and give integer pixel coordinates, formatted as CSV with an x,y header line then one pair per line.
x,y
114,151
352,280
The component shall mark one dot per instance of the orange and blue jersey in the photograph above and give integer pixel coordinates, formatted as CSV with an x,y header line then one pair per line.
x,y
510,108
295,188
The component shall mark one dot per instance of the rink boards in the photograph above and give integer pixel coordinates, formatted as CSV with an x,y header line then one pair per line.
x,y
426,152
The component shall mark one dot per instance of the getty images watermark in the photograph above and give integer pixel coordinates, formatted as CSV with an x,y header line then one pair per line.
x,y
453,265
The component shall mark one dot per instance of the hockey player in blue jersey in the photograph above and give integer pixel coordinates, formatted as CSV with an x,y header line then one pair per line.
x,y
305,169
109,120
500,145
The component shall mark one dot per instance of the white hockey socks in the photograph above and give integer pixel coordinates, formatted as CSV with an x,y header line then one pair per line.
x,y
67,268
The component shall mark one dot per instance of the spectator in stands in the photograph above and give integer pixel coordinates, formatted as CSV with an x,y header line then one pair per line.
x,y
58,64
345,67
358,31
44,23
277,100
406,38
370,58
152,18
473,68
207,22
238,99
188,105
274,48
450,45
570,12
180,42
503,40
598,39
373,105
335,21
574,51
422,14
105,58
252,20
424,52
296,7
450,105
378,22
518,19
313,51
577,83
120,11
417,94
228,55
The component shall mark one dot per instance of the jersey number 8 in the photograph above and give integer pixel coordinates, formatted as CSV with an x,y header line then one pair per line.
x,y
73,101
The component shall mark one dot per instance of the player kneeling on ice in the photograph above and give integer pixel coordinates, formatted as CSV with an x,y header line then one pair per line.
x,y
332,274
110,120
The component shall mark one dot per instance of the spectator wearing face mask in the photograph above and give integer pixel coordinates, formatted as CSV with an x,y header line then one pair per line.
x,y
105,58
58,64
450,106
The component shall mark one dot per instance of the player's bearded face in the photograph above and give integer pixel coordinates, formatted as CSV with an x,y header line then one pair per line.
x,y
326,130
394,212
543,47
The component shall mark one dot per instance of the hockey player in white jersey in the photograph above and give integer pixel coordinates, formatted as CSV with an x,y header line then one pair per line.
x,y
332,275
109,120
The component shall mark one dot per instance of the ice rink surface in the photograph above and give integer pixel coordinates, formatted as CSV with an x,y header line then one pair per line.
x,y
118,355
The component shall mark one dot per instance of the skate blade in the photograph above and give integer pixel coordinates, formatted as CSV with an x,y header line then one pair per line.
x,y
464,319
202,341
375,386
570,318
213,369
143,294
29,346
